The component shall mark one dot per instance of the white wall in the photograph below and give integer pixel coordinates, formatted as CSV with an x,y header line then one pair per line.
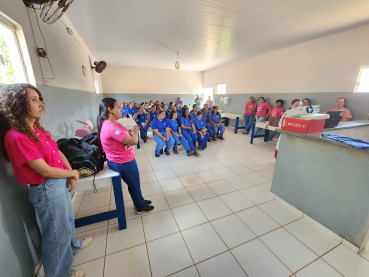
x,y
138,80
328,64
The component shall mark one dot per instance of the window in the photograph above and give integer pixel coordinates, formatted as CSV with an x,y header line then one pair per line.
x,y
12,69
221,88
208,92
362,84
97,88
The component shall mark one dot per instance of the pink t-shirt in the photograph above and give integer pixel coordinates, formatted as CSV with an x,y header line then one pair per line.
x,y
21,149
276,112
111,136
346,113
250,106
262,109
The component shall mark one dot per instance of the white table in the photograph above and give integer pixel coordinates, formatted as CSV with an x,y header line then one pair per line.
x,y
263,125
227,116
104,178
128,123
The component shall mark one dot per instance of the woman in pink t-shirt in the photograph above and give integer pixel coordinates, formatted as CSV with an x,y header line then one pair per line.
x,y
250,108
118,144
36,160
276,112
262,112
340,106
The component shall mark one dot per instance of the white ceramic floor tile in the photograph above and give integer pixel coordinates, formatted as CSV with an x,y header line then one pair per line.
x,y
256,195
191,180
258,261
238,182
122,239
267,173
254,166
161,165
203,242
177,163
95,200
130,212
255,178
312,236
221,187
92,191
159,224
209,176
183,170
226,172
144,168
151,188
171,184
168,255
189,272
318,268
200,167
236,201
142,160
178,198
134,262
147,177
365,252
95,250
267,163
94,268
232,230
223,265
126,195
201,192
92,212
347,262
206,158
77,203
265,187
214,208
188,216
214,165
159,202
280,213
192,160
259,222
240,169
219,156
164,174
288,249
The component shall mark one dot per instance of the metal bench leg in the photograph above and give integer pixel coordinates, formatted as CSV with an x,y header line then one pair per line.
x,y
252,133
119,202
226,121
236,125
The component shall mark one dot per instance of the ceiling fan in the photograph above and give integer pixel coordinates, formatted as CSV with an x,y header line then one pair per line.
x,y
52,10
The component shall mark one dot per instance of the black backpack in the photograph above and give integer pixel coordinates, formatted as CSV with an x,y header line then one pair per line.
x,y
87,159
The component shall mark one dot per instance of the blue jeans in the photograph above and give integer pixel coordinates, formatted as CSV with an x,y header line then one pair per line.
x,y
220,130
183,141
249,119
143,131
160,143
53,206
259,119
210,130
130,175
190,137
203,141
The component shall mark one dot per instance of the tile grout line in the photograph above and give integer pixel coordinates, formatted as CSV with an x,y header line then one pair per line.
x,y
147,249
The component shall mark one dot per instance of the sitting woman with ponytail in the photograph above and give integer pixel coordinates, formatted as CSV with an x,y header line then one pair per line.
x,y
36,160
118,144
188,129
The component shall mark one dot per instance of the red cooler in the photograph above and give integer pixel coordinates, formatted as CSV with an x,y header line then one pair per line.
x,y
302,125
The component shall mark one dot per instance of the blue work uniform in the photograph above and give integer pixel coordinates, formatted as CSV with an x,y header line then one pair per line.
x,y
193,115
167,114
189,135
153,115
161,126
216,118
179,102
141,123
200,125
132,111
208,125
124,112
175,128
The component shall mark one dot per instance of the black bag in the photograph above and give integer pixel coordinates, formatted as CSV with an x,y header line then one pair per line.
x,y
91,139
87,159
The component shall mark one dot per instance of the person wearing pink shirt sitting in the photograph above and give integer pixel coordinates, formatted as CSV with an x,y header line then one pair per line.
x,y
262,112
250,108
340,106
276,112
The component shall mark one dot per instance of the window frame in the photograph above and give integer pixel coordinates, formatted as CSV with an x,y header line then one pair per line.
x,y
218,90
97,86
358,79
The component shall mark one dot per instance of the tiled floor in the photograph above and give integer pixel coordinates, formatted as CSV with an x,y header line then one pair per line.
x,y
213,217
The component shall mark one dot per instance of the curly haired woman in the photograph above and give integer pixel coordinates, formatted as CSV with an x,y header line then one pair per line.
x,y
36,160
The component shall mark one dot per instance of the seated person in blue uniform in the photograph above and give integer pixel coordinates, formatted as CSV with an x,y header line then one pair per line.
x,y
142,120
180,103
216,124
162,136
153,114
131,110
165,109
171,105
205,115
188,127
158,108
123,108
202,135
177,135
179,112
194,111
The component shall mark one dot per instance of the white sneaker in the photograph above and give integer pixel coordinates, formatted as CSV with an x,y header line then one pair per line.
x,y
78,273
86,242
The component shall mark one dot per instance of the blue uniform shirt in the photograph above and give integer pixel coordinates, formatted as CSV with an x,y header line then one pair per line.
x,y
153,115
143,118
167,114
174,125
206,117
160,125
124,111
186,122
199,124
132,111
215,117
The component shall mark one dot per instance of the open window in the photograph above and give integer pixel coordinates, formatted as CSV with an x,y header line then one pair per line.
x,y
221,88
97,88
362,84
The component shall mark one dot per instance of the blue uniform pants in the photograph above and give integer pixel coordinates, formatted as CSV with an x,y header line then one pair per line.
x,y
220,130
143,131
183,141
202,141
160,143
190,137
210,130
